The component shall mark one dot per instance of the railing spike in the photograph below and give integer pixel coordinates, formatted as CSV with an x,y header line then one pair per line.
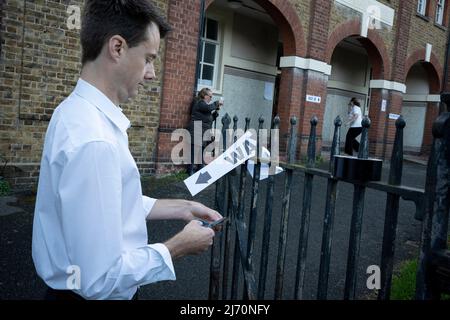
x,y
312,142
276,121
364,145
293,120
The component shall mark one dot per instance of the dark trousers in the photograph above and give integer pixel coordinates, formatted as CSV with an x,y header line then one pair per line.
x,y
69,295
350,141
62,295
193,167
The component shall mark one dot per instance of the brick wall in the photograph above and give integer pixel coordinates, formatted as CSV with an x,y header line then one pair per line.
x,y
378,122
179,74
431,115
404,16
395,106
290,97
39,67
318,31
316,85
424,31
303,9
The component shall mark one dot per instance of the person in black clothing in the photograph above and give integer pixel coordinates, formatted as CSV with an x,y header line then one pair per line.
x,y
205,111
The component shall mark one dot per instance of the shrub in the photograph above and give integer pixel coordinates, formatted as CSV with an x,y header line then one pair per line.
x,y
4,187
404,283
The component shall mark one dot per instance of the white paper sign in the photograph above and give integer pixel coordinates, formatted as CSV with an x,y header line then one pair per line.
x,y
313,99
393,116
264,172
268,91
383,105
243,149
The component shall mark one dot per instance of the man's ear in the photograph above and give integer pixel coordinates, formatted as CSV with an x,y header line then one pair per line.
x,y
116,47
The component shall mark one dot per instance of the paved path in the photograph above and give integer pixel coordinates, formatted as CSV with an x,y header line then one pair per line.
x,y
19,281
6,208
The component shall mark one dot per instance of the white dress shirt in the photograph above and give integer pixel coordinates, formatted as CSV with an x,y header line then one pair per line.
x,y
90,213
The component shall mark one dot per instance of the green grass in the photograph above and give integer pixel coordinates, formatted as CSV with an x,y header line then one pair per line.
x,y
404,282
180,176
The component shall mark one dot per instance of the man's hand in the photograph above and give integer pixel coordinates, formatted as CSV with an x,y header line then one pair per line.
x,y
193,239
196,210
183,210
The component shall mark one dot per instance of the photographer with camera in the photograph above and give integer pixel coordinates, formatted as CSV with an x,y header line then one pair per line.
x,y
206,111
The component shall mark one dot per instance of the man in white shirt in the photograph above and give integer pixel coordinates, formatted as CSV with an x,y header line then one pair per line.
x,y
89,232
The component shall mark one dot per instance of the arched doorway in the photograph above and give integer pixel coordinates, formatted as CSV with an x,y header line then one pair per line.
x,y
354,63
180,66
420,106
239,59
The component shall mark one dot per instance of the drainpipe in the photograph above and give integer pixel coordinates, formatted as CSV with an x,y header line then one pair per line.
x,y
444,106
201,27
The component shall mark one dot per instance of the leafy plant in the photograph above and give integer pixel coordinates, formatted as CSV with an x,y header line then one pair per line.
x,y
5,162
4,187
319,159
151,183
404,283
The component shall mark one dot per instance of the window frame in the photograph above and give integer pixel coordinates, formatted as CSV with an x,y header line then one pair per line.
x,y
217,64
422,10
440,14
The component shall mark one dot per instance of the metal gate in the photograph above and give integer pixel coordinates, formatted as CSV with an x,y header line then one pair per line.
x,y
432,208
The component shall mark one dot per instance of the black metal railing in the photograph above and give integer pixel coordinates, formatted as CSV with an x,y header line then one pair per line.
x,y
432,207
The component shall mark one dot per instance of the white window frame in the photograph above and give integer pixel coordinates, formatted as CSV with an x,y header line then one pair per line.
x,y
440,9
422,7
216,65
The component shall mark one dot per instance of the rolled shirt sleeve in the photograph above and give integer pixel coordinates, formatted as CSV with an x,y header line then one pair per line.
x,y
90,197
148,205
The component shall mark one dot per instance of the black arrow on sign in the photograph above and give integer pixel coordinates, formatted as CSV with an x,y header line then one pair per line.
x,y
203,178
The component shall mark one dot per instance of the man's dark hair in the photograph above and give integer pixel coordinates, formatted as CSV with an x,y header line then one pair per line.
x,y
128,18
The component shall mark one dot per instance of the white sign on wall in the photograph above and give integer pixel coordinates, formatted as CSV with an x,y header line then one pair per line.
x,y
383,105
268,90
313,99
393,116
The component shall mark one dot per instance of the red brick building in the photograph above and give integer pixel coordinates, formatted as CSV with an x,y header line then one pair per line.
x,y
264,57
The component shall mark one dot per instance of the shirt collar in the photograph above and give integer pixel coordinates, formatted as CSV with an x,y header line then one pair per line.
x,y
103,103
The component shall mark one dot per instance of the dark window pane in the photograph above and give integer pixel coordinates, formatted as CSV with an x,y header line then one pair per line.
x,y
210,53
208,72
204,28
212,29
199,70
